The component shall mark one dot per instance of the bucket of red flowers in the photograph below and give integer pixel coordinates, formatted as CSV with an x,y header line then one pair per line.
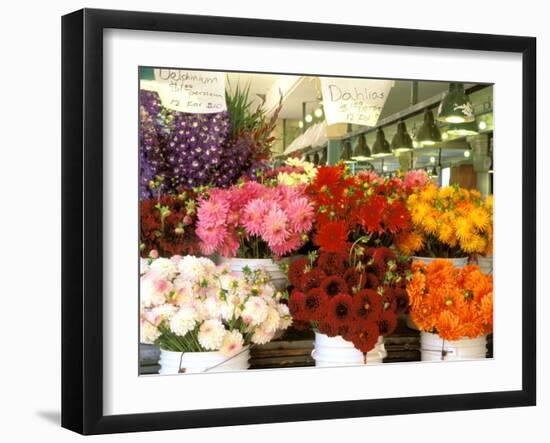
x,y
351,302
453,308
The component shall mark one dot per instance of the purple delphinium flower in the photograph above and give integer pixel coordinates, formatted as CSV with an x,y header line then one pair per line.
x,y
190,150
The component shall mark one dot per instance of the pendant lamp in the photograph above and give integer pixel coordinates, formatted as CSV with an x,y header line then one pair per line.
x,y
401,141
456,106
381,147
428,133
362,150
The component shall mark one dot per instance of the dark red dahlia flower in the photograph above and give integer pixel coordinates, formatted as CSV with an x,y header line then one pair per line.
x,y
365,337
312,279
339,310
383,255
334,285
371,281
354,279
367,305
296,305
296,271
332,263
389,303
346,331
387,323
402,300
328,328
315,304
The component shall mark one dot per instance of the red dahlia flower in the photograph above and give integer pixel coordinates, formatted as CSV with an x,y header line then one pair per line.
x,y
296,271
398,217
339,310
332,263
383,255
402,300
312,279
296,305
387,323
371,281
367,306
389,303
315,304
354,279
365,337
332,237
334,285
328,328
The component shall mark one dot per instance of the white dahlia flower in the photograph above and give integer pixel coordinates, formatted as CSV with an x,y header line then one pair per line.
x,y
211,334
232,343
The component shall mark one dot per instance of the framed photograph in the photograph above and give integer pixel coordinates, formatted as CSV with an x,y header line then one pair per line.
x,y
270,221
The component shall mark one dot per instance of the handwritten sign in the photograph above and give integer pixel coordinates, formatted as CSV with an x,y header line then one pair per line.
x,y
200,92
356,101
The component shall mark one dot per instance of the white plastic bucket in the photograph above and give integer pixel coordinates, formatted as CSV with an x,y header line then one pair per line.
x,y
196,362
434,348
169,362
278,277
485,264
457,262
335,351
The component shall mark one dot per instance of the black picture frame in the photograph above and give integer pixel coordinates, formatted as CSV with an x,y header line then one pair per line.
x,y
82,216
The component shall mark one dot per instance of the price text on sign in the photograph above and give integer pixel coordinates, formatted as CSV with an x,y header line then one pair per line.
x,y
200,92
356,101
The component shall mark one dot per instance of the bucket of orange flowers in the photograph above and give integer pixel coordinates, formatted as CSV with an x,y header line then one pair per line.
x,y
449,223
453,308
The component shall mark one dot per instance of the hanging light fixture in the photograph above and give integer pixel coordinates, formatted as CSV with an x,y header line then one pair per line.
x,y
347,152
316,158
428,134
381,147
362,150
323,158
462,129
308,118
456,106
318,112
401,141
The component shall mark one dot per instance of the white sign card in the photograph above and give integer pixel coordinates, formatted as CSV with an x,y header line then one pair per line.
x,y
199,92
357,101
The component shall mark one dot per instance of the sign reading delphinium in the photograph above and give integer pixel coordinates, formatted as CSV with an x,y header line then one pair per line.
x,y
191,91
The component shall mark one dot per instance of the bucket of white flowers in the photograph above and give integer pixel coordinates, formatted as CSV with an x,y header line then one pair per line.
x,y
205,318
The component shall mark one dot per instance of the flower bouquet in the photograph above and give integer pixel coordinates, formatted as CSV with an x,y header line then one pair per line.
x,y
203,317
353,298
453,307
167,225
193,150
251,223
349,207
449,222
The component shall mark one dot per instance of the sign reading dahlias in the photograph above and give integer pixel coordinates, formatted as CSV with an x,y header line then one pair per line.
x,y
197,92
356,101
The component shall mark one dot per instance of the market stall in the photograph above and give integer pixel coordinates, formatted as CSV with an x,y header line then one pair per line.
x,y
291,221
